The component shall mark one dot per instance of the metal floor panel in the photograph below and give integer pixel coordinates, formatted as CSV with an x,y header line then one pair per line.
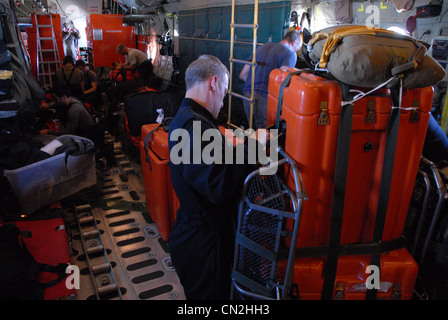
x,y
139,256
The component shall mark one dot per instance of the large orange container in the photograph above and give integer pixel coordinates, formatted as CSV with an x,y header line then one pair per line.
x,y
313,146
161,200
396,281
104,32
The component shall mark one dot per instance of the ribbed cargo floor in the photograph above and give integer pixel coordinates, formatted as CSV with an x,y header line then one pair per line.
x,y
139,257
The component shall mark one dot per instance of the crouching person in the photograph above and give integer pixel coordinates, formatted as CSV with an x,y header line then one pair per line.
x,y
76,120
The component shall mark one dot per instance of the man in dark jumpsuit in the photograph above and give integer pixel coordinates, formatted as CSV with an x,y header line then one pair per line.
x,y
202,240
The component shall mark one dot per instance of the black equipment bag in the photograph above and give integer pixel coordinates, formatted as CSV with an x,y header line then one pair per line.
x,y
145,69
141,108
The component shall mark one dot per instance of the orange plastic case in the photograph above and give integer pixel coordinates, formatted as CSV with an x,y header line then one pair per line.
x,y
396,281
161,200
314,146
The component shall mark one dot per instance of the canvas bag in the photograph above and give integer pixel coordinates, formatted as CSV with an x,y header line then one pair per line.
x,y
363,57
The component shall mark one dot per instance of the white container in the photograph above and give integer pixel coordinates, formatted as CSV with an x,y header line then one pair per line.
x,y
45,182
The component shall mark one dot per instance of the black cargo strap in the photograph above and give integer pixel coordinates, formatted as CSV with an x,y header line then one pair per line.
x,y
316,251
352,249
356,249
386,175
340,182
413,64
59,269
284,84
165,124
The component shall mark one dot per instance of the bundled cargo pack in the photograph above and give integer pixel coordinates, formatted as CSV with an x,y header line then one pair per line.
x,y
359,56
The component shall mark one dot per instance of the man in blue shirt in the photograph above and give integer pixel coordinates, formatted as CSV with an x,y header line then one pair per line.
x,y
436,142
269,56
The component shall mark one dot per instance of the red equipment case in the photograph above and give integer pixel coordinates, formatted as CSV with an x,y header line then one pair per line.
x,y
309,97
311,111
397,280
48,244
161,200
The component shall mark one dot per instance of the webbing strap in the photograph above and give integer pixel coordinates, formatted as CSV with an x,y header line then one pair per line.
x,y
59,269
342,158
340,182
354,249
165,126
284,84
145,143
386,176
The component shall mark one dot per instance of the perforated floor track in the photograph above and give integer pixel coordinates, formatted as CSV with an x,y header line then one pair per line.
x,y
140,259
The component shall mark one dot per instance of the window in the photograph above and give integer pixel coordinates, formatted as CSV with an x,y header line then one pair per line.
x,y
398,29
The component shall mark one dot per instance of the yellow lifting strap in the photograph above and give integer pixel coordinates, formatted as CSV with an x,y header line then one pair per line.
x,y
336,35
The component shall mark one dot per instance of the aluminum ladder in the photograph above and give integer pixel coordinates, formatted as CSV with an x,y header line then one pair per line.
x,y
252,63
48,58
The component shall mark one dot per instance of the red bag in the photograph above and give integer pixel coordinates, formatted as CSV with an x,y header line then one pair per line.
x,y
120,75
